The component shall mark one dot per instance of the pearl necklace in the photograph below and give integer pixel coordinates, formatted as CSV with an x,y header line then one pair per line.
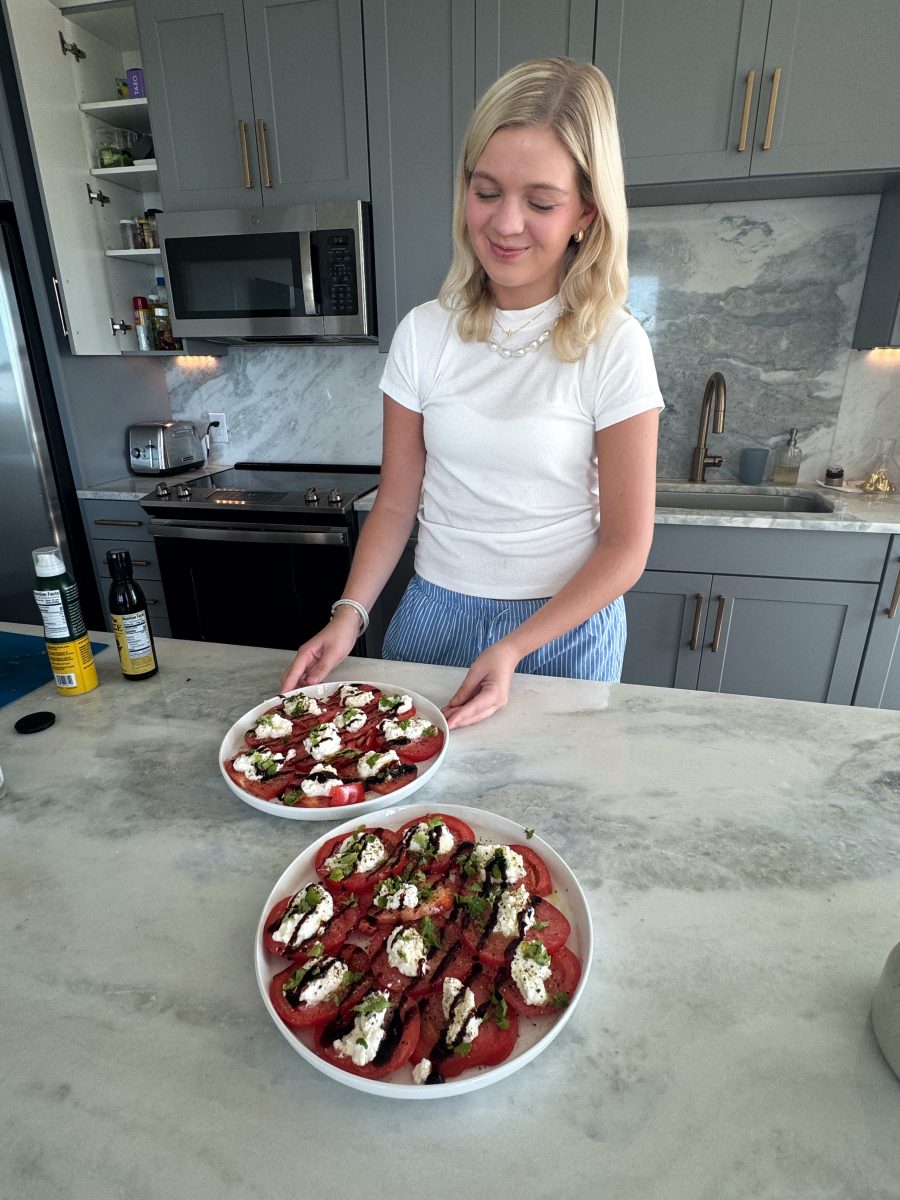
x,y
535,344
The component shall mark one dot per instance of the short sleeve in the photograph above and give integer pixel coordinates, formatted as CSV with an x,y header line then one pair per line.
x,y
400,379
626,384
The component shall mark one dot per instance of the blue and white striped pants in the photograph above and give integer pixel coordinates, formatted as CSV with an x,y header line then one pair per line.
x,y
444,628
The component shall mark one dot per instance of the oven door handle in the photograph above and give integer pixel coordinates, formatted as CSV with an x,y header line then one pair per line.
x,y
216,532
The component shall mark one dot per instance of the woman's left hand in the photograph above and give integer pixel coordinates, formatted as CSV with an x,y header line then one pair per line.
x,y
485,687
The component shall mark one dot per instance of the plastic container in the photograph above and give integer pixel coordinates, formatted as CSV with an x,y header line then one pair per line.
x,y
130,619
787,462
131,234
68,645
881,473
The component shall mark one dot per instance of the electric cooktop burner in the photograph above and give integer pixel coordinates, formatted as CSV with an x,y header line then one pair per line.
x,y
309,489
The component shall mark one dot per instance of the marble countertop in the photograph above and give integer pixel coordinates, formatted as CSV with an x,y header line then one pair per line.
x,y
132,487
855,513
741,859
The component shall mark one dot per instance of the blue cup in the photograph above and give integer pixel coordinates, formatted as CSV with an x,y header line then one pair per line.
x,y
753,462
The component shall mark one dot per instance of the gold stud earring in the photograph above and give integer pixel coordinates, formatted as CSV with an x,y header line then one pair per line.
x,y
579,236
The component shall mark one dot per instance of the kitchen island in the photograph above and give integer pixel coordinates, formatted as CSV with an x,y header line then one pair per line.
x,y
741,860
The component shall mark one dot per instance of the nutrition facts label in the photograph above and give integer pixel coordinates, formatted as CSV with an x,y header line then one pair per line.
x,y
132,632
53,614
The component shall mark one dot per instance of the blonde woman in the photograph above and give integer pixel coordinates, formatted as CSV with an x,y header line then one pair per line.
x,y
520,414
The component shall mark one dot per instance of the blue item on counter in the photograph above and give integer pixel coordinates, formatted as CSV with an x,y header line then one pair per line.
x,y
24,665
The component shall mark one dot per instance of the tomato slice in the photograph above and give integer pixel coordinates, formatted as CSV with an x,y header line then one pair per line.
x,y
537,873
406,773
426,858
263,789
565,972
441,959
419,750
343,793
331,935
550,927
285,988
355,881
438,904
400,1040
497,1044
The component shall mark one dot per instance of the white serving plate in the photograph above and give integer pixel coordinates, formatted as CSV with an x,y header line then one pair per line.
x,y
849,485
535,1035
233,742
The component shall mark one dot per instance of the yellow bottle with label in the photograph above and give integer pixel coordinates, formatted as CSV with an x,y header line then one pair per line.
x,y
130,621
68,644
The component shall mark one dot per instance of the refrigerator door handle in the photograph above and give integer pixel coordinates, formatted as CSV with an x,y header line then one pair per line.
x,y
59,307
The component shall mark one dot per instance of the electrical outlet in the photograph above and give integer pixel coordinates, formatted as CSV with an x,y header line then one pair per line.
x,y
220,433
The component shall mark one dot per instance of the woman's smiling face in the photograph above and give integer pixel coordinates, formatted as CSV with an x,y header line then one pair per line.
x,y
522,208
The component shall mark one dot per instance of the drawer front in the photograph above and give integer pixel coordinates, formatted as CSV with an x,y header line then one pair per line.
x,y
112,520
143,556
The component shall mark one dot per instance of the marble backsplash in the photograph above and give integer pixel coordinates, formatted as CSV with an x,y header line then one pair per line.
x,y
766,292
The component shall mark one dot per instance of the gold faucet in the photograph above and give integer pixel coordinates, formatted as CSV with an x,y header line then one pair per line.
x,y
700,459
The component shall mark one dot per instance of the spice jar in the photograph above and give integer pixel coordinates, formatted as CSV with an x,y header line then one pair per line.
x,y
131,234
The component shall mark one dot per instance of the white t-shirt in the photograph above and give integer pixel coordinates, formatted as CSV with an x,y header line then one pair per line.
x,y
510,504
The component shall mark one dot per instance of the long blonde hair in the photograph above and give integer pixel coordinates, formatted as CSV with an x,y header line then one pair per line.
x,y
575,101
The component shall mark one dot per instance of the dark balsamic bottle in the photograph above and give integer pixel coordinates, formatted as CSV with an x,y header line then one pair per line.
x,y
130,619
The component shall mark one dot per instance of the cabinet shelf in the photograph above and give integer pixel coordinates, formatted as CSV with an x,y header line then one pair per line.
x,y
139,256
140,178
132,113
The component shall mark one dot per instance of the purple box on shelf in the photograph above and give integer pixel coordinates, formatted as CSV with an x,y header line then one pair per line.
x,y
135,77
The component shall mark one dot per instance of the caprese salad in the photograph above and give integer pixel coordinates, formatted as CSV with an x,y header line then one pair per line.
x,y
419,946
339,749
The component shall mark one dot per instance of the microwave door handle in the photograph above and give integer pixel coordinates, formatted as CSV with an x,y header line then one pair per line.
x,y
309,295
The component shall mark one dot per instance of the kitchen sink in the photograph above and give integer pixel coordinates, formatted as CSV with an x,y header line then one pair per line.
x,y
743,501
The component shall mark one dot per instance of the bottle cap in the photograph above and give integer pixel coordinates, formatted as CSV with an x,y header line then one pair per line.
x,y
119,563
159,279
48,561
34,722
139,302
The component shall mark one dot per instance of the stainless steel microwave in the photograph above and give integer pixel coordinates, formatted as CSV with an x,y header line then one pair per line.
x,y
297,273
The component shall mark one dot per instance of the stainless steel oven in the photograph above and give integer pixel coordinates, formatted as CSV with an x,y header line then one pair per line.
x,y
256,555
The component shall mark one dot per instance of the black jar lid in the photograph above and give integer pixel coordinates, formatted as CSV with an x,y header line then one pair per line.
x,y
834,472
34,722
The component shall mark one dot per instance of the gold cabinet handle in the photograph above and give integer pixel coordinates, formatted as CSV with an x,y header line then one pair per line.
x,y
698,613
245,157
745,116
717,633
895,599
263,151
773,100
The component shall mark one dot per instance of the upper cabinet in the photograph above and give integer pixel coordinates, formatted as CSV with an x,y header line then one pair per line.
x,y
256,101
728,89
509,31
68,69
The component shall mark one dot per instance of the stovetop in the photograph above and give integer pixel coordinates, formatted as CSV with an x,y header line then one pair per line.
x,y
311,490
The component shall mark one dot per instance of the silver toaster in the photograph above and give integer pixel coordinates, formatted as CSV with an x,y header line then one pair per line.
x,y
164,447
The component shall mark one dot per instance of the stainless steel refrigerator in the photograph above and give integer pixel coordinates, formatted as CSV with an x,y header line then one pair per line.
x,y
38,502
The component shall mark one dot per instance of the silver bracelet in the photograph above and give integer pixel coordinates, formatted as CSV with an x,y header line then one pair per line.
x,y
360,611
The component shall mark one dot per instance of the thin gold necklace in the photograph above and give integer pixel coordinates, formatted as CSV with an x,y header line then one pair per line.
x,y
529,347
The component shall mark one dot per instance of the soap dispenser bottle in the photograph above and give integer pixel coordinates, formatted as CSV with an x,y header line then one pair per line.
x,y
787,462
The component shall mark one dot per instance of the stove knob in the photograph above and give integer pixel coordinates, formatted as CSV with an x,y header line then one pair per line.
x,y
162,490
182,492
335,497
312,496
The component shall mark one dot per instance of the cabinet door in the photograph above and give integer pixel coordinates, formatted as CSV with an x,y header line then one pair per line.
x,y
420,82
879,679
795,639
680,73
306,68
665,611
509,31
201,106
836,107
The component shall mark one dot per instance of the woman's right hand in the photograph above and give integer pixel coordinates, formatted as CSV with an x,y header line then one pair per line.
x,y
323,651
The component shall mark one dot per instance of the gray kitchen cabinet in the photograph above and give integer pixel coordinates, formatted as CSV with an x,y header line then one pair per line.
x,y
762,612
282,117
727,89
509,31
420,82
665,611
123,525
879,679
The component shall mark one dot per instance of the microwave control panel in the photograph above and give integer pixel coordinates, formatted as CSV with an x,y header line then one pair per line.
x,y
337,271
